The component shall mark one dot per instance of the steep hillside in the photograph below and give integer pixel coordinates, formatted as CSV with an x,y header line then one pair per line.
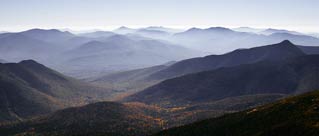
x,y
293,116
275,52
29,89
290,76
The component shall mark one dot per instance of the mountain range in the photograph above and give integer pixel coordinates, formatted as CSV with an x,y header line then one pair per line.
x,y
145,80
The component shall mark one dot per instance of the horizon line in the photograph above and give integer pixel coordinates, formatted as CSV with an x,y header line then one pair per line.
x,y
114,27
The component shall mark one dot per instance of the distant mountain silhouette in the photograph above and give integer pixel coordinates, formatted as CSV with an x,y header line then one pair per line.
x,y
29,89
292,116
16,46
290,76
51,47
52,35
270,31
219,40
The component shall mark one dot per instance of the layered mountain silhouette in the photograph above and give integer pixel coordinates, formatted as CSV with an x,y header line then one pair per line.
x,y
30,89
291,76
292,116
146,47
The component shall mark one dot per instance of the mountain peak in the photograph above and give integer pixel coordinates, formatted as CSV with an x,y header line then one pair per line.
x,y
286,42
219,29
123,28
44,30
194,29
31,63
28,62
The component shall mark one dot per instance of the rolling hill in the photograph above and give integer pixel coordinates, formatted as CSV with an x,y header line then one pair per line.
x,y
292,116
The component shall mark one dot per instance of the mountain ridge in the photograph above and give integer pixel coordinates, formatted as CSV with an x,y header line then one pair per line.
x,y
278,51
290,76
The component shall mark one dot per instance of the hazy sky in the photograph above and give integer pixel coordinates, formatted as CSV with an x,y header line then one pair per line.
x,y
301,15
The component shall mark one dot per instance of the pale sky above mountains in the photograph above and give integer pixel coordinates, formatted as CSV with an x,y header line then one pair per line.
x,y
298,15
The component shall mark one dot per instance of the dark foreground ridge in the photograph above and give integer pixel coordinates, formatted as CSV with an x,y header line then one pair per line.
x,y
293,116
